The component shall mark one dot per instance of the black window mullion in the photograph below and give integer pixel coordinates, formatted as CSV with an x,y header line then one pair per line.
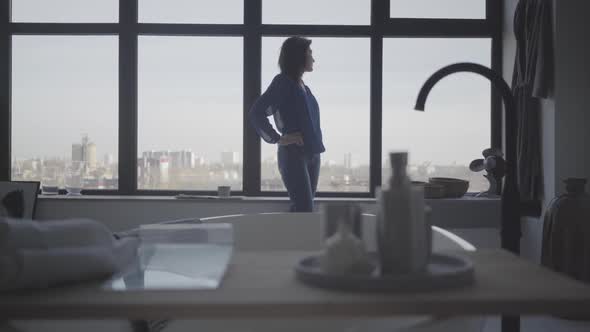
x,y
494,12
5,94
64,28
128,97
376,108
185,29
282,30
421,27
379,15
252,80
385,10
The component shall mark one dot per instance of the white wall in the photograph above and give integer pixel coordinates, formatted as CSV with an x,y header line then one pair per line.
x,y
572,95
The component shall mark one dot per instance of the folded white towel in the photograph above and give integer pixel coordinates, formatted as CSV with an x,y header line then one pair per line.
x,y
18,233
41,268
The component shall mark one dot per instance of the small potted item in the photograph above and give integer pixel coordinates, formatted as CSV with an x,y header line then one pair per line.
x,y
495,167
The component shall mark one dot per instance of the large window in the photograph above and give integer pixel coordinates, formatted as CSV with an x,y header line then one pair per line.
x,y
191,11
64,109
190,113
340,82
65,11
351,12
455,128
460,9
151,97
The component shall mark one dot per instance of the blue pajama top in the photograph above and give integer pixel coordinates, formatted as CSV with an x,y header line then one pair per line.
x,y
293,108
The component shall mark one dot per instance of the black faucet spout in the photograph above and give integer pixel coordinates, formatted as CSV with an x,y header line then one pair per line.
x,y
510,225
497,81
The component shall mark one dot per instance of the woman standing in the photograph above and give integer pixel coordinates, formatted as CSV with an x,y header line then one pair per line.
x,y
297,117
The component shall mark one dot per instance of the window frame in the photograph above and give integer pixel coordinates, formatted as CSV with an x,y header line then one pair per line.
x,y
252,31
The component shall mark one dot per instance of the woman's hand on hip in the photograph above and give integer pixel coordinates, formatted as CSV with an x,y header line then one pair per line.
x,y
292,138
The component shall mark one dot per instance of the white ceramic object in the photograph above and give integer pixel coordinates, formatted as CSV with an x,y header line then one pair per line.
x,y
345,253
403,241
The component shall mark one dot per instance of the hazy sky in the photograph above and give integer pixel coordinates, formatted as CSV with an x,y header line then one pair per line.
x,y
190,88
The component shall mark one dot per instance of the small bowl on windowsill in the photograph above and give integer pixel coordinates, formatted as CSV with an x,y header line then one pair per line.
x,y
453,188
431,190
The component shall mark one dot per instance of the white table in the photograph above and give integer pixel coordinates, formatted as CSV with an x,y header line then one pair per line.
x,y
263,285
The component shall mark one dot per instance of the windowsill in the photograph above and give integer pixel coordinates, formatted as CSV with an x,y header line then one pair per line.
x,y
466,198
121,212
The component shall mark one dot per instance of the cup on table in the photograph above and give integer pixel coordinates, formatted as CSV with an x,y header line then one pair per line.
x,y
223,191
49,181
74,179
335,213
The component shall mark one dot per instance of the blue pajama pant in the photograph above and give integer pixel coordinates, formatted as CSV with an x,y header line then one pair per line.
x,y
300,172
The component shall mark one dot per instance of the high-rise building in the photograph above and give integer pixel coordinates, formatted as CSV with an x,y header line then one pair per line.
x,y
198,161
152,154
154,168
85,152
175,159
108,160
348,160
77,152
143,172
189,159
90,155
230,158
146,155
183,159
164,167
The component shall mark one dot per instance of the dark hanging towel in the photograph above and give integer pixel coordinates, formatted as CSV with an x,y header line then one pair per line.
x,y
532,79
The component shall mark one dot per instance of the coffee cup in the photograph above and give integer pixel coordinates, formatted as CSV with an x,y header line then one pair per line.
x,y
224,191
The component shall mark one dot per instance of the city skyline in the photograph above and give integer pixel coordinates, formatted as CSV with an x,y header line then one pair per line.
x,y
185,170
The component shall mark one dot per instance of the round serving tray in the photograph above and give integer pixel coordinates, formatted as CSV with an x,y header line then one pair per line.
x,y
443,271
